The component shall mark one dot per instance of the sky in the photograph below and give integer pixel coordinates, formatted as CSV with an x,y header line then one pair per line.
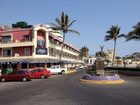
x,y
93,19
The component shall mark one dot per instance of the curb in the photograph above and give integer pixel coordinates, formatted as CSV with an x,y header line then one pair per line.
x,y
70,71
102,81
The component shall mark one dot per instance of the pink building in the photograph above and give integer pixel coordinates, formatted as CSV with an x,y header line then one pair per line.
x,y
30,47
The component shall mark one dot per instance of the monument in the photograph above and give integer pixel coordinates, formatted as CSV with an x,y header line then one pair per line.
x,y
99,67
100,76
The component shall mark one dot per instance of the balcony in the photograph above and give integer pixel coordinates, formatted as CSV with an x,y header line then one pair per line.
x,y
16,44
64,49
14,58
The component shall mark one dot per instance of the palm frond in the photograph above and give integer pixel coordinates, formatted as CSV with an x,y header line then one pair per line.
x,y
66,20
122,35
137,25
133,38
118,30
58,21
62,19
135,33
108,31
132,35
108,37
71,23
73,31
55,27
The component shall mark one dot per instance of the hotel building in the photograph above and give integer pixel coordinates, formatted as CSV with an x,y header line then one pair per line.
x,y
32,47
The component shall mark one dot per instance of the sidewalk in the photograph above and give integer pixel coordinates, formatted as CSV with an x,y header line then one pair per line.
x,y
70,71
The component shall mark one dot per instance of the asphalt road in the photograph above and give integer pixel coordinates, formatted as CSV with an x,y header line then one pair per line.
x,y
67,90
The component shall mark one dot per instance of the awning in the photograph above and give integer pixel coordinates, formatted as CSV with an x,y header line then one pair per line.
x,y
34,60
3,61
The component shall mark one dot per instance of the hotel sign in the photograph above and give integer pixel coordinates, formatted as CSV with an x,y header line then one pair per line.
x,y
41,51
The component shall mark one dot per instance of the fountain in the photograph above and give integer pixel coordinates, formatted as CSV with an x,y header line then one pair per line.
x,y
101,76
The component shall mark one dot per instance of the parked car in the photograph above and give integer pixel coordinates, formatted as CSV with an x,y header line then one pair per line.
x,y
40,73
18,75
57,70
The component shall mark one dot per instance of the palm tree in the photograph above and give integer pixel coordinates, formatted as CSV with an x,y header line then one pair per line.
x,y
134,34
63,25
84,52
113,34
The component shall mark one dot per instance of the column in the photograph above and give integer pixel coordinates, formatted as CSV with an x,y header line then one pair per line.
x,y
47,42
35,42
18,66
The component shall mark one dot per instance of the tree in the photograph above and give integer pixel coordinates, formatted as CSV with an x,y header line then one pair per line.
x,y
113,34
63,25
21,24
118,57
84,52
134,34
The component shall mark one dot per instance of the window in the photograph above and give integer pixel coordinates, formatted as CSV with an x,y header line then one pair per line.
x,y
51,52
51,40
6,52
6,39
26,38
27,51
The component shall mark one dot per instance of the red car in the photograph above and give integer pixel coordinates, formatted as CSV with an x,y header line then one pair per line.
x,y
40,73
18,75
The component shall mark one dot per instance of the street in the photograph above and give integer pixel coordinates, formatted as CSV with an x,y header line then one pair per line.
x,y
67,90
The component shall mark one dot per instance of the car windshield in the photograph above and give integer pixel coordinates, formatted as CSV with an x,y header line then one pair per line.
x,y
52,67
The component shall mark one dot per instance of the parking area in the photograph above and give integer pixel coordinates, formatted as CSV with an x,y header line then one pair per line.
x,y
65,89
14,84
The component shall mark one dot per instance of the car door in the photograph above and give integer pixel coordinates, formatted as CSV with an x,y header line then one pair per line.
x,y
39,73
57,69
12,76
35,73
19,75
54,69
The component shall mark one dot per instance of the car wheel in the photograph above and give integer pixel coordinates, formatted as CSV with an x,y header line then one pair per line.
x,y
62,72
3,80
24,79
42,76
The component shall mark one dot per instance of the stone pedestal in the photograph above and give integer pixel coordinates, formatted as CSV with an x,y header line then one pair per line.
x,y
99,67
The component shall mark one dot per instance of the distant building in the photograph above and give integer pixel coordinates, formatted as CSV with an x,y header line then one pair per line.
x,y
31,47
90,60
110,55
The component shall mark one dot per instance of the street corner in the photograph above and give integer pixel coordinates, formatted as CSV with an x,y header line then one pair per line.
x,y
70,71
102,81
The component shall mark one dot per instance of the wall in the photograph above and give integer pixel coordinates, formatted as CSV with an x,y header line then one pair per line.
x,y
20,51
19,35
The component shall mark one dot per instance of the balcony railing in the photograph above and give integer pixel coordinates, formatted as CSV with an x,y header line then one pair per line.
x,y
64,49
16,43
